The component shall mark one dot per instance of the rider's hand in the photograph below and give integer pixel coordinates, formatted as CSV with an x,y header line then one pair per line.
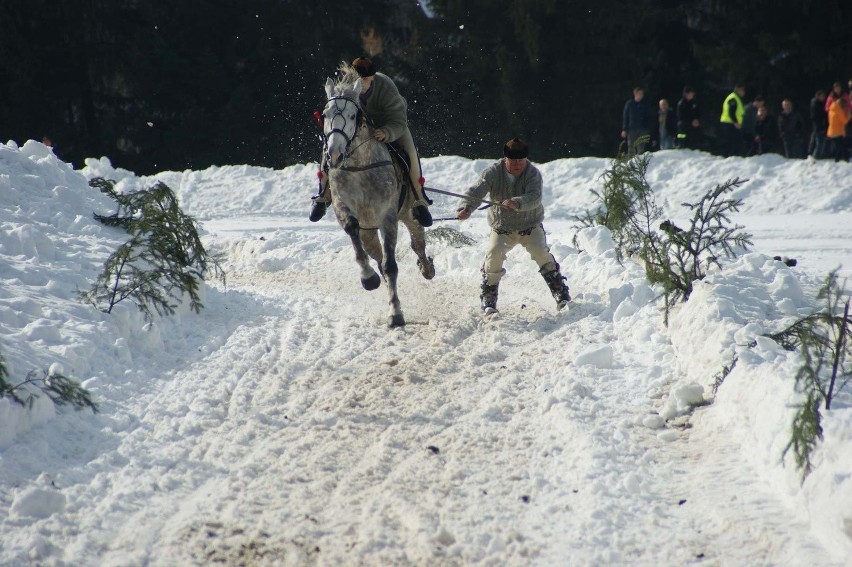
x,y
510,204
463,214
379,134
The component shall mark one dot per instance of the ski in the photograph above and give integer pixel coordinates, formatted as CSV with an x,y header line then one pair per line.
x,y
490,313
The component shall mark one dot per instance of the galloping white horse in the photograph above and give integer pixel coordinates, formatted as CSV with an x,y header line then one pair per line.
x,y
370,194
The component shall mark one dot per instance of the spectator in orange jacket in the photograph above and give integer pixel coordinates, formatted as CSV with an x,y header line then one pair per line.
x,y
839,115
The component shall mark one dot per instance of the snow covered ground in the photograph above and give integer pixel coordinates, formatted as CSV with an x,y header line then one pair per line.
x,y
286,425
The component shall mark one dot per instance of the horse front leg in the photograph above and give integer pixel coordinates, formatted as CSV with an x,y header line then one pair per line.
x,y
390,271
369,278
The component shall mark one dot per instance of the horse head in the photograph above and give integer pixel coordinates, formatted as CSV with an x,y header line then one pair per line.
x,y
341,116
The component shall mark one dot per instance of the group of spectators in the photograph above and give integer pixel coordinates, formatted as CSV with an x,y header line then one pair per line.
x,y
743,129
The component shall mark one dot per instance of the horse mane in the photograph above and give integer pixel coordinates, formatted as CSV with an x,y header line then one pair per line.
x,y
347,80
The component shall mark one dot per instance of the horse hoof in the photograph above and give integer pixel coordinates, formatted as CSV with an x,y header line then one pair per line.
x,y
371,283
396,321
427,268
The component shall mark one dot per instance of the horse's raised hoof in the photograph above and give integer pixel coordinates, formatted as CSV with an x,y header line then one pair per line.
x,y
371,283
396,321
427,268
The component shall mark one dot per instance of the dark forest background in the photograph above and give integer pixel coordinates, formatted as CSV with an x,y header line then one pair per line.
x,y
157,85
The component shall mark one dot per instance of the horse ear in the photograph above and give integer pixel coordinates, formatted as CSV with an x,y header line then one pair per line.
x,y
329,88
357,87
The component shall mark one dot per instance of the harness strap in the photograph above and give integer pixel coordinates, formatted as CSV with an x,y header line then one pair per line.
x,y
366,167
525,232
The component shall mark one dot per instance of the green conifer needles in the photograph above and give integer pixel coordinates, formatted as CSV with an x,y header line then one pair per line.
x,y
673,257
60,389
822,340
163,261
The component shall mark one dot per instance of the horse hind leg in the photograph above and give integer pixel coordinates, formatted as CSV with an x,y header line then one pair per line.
x,y
390,271
369,278
418,243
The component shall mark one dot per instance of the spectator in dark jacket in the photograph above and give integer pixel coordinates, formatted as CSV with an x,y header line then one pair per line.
x,y
791,128
688,121
636,121
749,122
819,125
764,133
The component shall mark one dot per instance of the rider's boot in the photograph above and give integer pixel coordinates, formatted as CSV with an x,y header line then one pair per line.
x,y
321,199
421,211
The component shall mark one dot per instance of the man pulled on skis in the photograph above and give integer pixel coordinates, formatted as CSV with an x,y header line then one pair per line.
x,y
516,184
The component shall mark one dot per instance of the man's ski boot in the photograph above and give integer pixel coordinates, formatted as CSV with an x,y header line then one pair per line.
x,y
556,282
488,298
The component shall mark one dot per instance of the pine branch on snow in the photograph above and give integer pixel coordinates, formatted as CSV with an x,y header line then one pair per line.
x,y
163,260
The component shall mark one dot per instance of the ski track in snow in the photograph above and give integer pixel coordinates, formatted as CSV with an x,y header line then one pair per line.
x,y
287,425
332,440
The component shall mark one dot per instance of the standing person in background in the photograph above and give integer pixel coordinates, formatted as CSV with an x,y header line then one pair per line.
x,y
849,106
730,122
516,185
791,128
47,141
667,125
838,118
836,93
636,121
688,121
749,123
819,125
764,133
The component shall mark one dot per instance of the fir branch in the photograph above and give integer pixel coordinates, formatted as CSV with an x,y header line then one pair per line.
x,y
822,339
719,378
806,433
161,263
60,389
449,236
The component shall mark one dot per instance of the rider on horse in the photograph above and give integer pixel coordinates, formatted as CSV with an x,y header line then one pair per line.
x,y
388,113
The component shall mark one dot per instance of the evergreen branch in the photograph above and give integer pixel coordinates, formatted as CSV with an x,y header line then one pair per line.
x,y
60,389
163,260
806,432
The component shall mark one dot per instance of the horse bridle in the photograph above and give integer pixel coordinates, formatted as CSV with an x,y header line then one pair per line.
x,y
338,112
359,118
